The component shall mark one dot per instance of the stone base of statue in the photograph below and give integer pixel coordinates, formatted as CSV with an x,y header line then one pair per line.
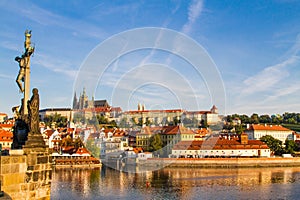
x,y
35,142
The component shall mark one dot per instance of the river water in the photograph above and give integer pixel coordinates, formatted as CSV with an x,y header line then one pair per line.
x,y
177,183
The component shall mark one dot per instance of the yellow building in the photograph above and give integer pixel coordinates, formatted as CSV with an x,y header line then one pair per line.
x,y
170,135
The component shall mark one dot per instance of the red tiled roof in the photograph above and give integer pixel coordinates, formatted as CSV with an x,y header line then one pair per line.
x,y
173,130
166,130
82,150
268,127
138,150
48,132
117,109
6,136
6,125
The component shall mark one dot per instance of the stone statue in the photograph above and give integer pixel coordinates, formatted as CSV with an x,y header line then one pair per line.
x,y
21,75
33,111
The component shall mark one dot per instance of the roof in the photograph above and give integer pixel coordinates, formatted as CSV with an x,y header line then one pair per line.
x,y
138,150
116,109
173,130
101,103
257,127
82,150
6,136
6,125
165,130
48,132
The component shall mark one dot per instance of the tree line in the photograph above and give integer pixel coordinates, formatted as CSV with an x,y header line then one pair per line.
x,y
286,118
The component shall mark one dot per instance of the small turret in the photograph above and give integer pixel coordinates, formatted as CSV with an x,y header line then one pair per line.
x,y
214,110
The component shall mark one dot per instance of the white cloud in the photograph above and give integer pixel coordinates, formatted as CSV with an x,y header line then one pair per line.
x,y
195,10
284,91
9,46
47,18
55,65
268,77
4,76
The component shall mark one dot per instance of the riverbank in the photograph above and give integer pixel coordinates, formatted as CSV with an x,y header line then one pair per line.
x,y
222,162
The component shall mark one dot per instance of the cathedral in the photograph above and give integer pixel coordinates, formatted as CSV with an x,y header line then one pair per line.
x,y
83,102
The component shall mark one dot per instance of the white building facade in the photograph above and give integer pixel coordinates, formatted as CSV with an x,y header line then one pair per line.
x,y
256,131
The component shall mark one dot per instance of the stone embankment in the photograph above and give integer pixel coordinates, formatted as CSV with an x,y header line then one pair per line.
x,y
223,162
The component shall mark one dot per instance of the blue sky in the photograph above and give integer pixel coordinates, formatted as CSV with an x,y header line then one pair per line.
x,y
254,45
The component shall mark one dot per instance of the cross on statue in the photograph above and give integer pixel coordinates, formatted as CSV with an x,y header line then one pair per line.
x,y
23,78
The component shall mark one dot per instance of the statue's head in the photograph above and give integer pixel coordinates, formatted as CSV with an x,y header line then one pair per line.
x,y
27,33
35,91
18,59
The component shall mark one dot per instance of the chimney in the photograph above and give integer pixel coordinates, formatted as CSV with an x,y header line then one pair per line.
x,y
244,138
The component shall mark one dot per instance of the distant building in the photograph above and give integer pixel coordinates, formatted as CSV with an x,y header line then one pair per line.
x,y
6,139
211,116
65,112
170,135
90,108
221,147
151,116
166,117
3,117
256,131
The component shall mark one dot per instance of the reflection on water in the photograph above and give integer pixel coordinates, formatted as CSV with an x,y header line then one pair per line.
x,y
176,183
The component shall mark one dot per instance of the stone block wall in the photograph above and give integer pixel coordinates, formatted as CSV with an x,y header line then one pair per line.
x,y
26,176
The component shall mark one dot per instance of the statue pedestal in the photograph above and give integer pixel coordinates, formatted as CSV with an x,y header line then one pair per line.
x,y
34,140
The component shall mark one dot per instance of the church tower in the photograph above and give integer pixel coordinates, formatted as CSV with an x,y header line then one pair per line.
x,y
75,102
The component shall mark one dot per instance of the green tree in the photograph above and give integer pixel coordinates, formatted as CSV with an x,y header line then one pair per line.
x,y
113,123
239,129
123,123
91,146
78,143
254,119
101,119
203,124
67,141
245,119
155,143
60,121
176,121
229,118
290,146
276,119
79,117
274,144
265,119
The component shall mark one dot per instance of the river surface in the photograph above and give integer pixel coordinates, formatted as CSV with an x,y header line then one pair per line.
x,y
177,183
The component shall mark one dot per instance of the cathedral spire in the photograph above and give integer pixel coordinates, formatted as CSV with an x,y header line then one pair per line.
x,y
75,102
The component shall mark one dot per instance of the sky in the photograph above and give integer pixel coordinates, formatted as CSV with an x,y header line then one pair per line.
x,y
246,59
